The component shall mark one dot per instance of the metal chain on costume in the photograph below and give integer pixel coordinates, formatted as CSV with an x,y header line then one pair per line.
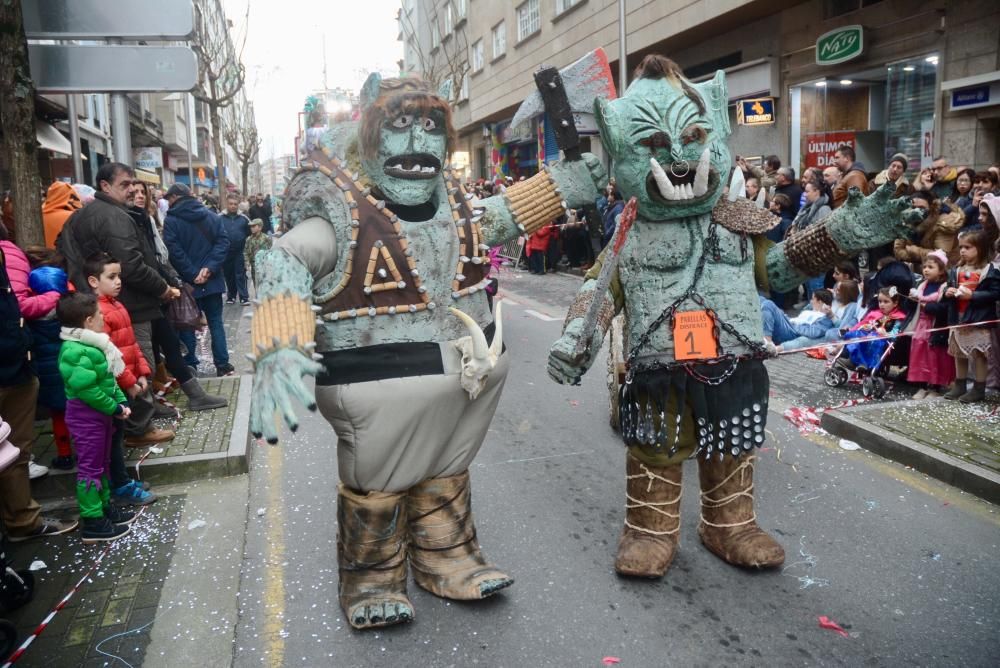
x,y
711,245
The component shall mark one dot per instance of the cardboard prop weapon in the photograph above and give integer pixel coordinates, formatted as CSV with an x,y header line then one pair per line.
x,y
563,93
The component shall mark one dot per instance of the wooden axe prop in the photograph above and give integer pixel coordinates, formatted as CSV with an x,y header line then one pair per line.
x,y
563,93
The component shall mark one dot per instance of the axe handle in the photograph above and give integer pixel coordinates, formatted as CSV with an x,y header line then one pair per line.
x,y
556,103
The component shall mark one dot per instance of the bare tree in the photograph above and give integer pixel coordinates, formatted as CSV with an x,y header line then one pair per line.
x,y
17,118
221,74
244,139
446,61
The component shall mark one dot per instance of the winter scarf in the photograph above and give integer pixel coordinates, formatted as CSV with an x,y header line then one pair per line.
x,y
99,340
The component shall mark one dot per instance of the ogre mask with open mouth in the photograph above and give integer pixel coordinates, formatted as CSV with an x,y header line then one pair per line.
x,y
667,137
405,136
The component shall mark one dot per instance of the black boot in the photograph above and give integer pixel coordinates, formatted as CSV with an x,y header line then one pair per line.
x,y
957,389
119,515
977,393
99,529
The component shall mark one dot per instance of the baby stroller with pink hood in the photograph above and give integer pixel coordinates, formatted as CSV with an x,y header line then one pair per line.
x,y
16,587
870,367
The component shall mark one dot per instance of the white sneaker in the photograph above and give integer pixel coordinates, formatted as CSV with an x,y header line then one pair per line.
x,y
36,470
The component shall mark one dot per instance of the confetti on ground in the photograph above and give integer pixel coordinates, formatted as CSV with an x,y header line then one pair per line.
x,y
848,445
610,660
827,623
261,512
196,524
37,565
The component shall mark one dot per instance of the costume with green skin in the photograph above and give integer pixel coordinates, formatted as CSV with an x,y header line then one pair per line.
x,y
388,470
670,413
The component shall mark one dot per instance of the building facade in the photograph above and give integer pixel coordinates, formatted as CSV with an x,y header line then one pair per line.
x,y
915,76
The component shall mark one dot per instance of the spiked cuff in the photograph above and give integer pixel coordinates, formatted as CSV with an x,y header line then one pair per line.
x,y
535,202
283,321
813,250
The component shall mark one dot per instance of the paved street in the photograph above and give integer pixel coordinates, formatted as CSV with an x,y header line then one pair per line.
x,y
903,563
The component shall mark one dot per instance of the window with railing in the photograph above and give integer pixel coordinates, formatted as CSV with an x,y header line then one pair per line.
x,y
528,19
499,34
476,56
563,5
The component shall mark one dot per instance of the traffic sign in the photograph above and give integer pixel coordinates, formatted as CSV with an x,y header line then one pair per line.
x,y
57,68
104,20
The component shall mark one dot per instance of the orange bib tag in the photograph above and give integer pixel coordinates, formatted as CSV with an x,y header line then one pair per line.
x,y
694,336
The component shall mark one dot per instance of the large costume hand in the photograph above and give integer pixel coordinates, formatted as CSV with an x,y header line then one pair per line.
x,y
875,220
580,181
861,223
278,379
565,366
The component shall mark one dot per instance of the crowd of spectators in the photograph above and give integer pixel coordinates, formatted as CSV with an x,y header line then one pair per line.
x,y
951,261
91,339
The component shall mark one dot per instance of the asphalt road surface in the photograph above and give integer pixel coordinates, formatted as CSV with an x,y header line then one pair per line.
x,y
905,565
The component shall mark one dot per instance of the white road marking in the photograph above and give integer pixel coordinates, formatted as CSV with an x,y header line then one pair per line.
x,y
541,316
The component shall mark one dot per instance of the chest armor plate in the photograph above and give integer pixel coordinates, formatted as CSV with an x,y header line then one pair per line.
x,y
380,274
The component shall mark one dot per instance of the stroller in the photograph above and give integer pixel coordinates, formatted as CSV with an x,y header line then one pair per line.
x,y
874,378
16,587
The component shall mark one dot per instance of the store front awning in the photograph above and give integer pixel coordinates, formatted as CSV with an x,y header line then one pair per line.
x,y
50,139
152,178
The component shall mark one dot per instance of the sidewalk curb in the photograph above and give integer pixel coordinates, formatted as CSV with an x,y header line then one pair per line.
x,y
965,476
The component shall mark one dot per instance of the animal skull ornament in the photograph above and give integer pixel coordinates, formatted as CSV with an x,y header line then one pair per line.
x,y
478,358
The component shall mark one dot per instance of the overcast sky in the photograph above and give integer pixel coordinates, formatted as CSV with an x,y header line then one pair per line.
x,y
284,54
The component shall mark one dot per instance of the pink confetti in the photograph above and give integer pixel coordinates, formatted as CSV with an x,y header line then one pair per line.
x,y
574,402
827,623
610,660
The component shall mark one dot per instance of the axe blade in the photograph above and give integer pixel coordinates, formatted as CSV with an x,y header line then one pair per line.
x,y
586,79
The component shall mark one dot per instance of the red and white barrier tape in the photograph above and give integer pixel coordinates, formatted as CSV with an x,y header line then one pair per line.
x,y
62,603
887,337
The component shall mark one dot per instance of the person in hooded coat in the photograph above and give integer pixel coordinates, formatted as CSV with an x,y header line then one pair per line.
x,y
198,245
61,201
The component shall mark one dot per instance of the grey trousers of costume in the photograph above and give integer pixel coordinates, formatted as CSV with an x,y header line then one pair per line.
x,y
397,432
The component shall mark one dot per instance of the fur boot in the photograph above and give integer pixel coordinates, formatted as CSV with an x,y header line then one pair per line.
x,y
652,519
728,523
444,553
371,554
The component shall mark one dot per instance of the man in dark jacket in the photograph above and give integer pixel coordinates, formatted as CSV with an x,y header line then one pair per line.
x,y
198,245
237,229
18,389
105,226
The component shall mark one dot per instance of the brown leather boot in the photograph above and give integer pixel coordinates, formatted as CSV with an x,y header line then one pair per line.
x,y
163,382
728,523
371,554
444,553
652,519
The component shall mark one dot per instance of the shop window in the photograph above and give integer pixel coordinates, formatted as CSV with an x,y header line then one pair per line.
x,y
879,112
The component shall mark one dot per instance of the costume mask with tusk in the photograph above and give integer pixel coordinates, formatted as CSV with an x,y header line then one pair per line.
x,y
478,358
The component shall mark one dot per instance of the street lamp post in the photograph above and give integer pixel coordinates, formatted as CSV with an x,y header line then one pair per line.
x,y
622,50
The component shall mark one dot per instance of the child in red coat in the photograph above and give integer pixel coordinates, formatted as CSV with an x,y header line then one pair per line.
x,y
104,277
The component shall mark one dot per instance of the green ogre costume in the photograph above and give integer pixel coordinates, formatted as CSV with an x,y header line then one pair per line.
x,y
377,288
687,280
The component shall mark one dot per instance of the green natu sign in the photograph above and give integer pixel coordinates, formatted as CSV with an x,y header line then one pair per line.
x,y
840,45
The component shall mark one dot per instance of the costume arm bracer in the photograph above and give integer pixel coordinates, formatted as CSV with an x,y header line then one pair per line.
x,y
284,317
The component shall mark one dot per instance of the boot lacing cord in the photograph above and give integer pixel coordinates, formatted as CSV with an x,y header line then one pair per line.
x,y
708,502
631,502
458,520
